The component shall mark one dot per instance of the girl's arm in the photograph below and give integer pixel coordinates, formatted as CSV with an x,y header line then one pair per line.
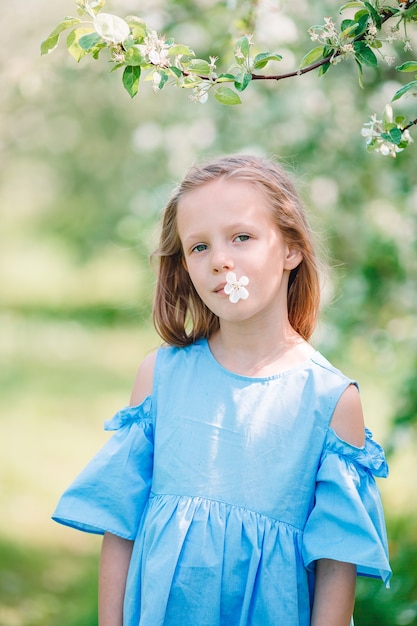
x,y
116,552
114,564
334,594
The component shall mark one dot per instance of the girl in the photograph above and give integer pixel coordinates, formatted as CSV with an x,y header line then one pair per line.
x,y
238,489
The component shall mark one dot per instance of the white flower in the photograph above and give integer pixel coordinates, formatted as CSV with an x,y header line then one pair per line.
x,y
387,148
238,53
372,129
156,49
407,137
200,93
235,288
156,80
313,35
348,50
213,63
159,57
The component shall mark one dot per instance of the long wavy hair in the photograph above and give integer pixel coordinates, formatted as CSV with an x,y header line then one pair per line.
x,y
179,314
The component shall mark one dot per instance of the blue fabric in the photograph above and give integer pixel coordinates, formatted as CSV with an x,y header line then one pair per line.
x,y
110,494
347,514
231,487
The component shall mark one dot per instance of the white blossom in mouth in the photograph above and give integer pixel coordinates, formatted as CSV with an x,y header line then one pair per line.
x,y
235,288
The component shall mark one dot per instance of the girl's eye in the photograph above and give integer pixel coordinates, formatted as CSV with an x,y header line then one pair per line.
x,y
200,247
242,238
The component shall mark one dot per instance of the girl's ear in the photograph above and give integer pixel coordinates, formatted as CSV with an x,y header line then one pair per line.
x,y
293,258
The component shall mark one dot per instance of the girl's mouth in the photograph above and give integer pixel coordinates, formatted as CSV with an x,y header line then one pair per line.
x,y
235,287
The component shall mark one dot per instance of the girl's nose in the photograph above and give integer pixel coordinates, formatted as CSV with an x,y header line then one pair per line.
x,y
221,262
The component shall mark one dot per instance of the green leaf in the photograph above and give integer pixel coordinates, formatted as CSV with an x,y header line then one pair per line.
x,y
408,66
164,78
131,77
199,66
351,5
364,54
176,71
225,78
137,27
311,57
408,87
243,45
262,59
242,81
181,49
362,18
360,73
225,95
394,136
324,68
73,44
376,43
348,24
97,49
133,57
241,50
89,41
376,18
51,42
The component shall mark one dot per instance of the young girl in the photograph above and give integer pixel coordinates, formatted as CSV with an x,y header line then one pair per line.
x,y
238,489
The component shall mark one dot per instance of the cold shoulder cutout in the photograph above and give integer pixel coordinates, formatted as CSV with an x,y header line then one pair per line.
x,y
347,420
130,415
111,492
143,384
347,521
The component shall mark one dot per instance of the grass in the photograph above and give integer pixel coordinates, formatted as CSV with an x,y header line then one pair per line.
x,y
46,587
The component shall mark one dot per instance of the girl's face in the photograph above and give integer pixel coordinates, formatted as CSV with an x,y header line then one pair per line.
x,y
227,226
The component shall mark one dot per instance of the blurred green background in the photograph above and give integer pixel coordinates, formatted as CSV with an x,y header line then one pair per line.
x,y
84,174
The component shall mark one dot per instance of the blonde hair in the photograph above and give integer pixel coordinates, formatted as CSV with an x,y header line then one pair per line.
x,y
179,314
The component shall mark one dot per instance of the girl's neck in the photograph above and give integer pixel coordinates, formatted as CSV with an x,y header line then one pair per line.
x,y
258,353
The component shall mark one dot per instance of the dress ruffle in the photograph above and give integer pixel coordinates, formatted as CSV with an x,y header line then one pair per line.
x,y
110,494
347,521
130,415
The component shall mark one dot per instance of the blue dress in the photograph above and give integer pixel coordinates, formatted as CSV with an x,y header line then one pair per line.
x,y
231,488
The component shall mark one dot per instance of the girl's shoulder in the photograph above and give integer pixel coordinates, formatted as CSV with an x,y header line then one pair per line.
x,y
143,384
161,357
347,420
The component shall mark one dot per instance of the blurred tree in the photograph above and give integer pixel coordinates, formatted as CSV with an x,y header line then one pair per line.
x,y
136,48
99,167
85,172
368,207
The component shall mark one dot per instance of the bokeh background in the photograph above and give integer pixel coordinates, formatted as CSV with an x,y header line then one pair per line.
x,y
84,174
